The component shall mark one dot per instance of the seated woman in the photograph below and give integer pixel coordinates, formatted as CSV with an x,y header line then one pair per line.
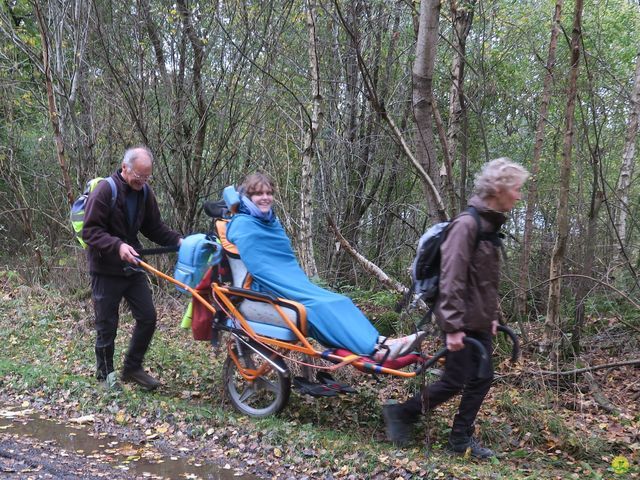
x,y
266,250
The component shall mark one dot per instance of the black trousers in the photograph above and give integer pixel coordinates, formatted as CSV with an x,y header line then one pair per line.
x,y
460,375
107,293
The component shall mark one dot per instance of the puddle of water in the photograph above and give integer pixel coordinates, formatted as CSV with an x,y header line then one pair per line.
x,y
140,460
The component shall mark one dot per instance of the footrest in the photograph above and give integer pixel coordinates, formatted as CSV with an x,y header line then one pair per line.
x,y
395,364
314,389
332,383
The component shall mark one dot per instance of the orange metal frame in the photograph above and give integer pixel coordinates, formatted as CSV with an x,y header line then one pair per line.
x,y
222,297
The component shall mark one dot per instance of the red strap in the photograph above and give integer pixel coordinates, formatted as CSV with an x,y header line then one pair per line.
x,y
396,363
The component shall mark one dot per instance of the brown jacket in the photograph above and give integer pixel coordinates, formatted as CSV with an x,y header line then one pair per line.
x,y
469,275
105,229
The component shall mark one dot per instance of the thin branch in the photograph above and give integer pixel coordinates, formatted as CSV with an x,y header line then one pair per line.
x,y
368,265
381,110
582,370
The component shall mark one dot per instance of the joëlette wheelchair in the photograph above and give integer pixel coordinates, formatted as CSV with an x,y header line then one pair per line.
x,y
264,331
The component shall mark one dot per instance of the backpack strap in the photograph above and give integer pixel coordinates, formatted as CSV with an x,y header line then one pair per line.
x,y
481,236
114,190
473,211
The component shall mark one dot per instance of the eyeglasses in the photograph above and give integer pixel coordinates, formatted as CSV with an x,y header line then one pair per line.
x,y
137,176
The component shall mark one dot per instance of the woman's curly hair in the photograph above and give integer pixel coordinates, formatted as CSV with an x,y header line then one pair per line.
x,y
497,175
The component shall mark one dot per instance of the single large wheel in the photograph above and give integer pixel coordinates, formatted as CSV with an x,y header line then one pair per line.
x,y
266,391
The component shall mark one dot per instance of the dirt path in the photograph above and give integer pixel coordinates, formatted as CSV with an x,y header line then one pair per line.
x,y
34,446
22,457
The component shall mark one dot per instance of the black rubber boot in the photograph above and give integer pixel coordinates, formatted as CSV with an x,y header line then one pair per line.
x,y
104,362
398,425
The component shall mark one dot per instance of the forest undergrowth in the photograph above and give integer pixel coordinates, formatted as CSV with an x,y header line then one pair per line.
x,y
545,426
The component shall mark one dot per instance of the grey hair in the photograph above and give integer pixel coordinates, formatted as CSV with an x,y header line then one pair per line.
x,y
499,174
133,153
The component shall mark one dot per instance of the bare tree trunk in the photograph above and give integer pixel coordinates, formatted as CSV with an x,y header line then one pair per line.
x,y
597,197
53,109
628,164
365,172
193,183
552,322
422,75
386,221
79,104
532,193
462,16
156,41
305,232
582,289
356,167
172,90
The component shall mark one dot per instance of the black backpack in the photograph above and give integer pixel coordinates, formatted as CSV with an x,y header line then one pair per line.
x,y
425,269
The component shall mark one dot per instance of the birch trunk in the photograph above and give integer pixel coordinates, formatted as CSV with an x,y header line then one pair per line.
x,y
305,233
628,165
54,115
422,98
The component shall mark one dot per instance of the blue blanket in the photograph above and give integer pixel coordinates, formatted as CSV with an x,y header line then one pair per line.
x,y
332,318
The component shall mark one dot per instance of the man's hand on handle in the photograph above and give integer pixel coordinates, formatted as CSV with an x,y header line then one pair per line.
x,y
128,253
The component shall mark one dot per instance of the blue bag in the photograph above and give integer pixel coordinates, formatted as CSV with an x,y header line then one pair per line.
x,y
197,253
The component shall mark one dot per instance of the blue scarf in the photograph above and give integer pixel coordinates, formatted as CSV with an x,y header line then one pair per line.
x,y
250,208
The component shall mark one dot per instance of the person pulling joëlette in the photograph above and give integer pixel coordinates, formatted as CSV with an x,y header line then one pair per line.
x,y
112,238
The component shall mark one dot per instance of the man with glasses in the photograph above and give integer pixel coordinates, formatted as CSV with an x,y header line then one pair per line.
x,y
112,238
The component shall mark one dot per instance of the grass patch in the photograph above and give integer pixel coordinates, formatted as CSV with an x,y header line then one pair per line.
x,y
47,359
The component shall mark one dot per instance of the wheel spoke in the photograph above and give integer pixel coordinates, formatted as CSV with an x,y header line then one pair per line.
x,y
247,394
248,362
266,384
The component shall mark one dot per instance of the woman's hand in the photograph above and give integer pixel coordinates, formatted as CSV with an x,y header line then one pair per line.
x,y
454,341
494,327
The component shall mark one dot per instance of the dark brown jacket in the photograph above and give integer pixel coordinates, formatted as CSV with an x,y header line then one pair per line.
x,y
469,275
106,228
